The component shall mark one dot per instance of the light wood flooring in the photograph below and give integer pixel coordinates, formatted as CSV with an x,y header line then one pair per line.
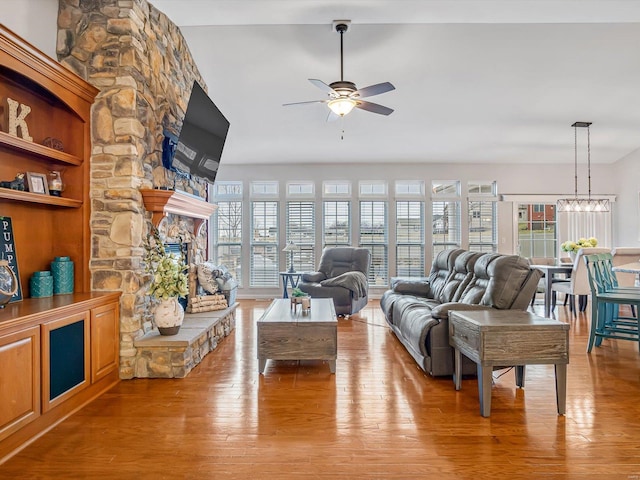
x,y
378,417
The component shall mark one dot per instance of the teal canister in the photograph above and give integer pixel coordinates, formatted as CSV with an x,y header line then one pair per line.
x,y
41,284
62,271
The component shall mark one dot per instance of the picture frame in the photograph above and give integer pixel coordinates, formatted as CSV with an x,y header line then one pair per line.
x,y
37,183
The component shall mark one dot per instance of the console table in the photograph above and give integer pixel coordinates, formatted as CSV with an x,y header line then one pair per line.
x,y
508,337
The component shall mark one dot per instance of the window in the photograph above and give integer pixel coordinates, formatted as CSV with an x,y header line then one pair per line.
x,y
537,230
336,188
301,231
228,189
482,226
483,188
413,188
482,218
446,215
373,236
264,189
300,189
373,188
410,238
228,237
445,219
445,188
336,223
264,244
226,234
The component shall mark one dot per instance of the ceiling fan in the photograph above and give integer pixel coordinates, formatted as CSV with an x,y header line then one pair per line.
x,y
343,95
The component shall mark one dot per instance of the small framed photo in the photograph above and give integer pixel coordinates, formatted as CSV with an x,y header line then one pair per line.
x,y
37,183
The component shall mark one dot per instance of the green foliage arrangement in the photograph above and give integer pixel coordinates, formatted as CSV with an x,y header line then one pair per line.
x,y
168,271
296,292
571,246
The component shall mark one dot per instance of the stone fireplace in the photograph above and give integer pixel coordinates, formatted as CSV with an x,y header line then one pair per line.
x,y
141,63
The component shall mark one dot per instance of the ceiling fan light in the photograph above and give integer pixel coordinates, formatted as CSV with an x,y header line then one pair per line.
x,y
342,106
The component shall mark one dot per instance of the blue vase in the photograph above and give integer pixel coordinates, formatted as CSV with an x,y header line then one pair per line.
x,y
41,284
62,271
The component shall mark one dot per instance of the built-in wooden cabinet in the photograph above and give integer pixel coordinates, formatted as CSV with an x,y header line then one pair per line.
x,y
56,353
20,384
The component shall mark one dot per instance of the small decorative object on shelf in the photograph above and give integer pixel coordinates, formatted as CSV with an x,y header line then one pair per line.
x,y
55,183
54,143
62,270
8,283
41,284
15,184
37,183
169,280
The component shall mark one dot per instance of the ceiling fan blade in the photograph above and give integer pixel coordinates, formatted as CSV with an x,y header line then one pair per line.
x,y
376,89
374,107
332,117
323,86
304,103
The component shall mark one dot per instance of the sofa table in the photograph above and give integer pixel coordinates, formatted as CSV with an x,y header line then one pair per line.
x,y
294,334
504,338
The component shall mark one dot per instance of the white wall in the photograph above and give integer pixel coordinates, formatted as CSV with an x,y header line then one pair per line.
x,y
34,20
626,175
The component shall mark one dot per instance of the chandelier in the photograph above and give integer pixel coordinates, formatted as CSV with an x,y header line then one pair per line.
x,y
588,204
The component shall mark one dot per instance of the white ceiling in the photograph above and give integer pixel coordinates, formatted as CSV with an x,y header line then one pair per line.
x,y
476,81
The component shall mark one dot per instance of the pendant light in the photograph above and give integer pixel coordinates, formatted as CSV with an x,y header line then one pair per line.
x,y
588,204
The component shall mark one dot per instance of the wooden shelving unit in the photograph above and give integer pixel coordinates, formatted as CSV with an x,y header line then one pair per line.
x,y
36,334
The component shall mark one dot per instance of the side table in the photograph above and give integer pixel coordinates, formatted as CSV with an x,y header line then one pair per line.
x,y
289,278
509,337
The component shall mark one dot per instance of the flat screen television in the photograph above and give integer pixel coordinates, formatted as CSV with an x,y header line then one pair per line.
x,y
198,149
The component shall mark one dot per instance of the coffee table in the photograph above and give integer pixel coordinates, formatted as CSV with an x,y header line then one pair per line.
x,y
292,334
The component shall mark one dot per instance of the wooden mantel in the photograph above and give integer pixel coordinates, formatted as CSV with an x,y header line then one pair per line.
x,y
162,202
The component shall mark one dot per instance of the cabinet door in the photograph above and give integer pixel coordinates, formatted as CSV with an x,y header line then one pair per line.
x,y
65,358
19,380
104,340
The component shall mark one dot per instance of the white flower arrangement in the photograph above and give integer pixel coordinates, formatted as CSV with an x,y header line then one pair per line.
x,y
168,271
571,246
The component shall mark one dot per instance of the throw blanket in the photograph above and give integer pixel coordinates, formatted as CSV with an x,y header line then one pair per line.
x,y
354,281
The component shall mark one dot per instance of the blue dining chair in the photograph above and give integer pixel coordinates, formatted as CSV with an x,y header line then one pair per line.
x,y
606,298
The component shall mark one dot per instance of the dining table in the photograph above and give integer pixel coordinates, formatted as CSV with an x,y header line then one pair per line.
x,y
550,271
633,267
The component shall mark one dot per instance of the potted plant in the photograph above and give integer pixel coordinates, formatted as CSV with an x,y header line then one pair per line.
x,y
169,281
298,297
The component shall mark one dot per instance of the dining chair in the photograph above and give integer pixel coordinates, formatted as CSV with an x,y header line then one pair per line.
x,y
578,284
606,298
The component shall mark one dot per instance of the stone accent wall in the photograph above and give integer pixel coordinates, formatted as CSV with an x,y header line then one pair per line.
x,y
140,62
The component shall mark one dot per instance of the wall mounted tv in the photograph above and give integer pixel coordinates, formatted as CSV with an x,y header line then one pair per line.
x,y
204,130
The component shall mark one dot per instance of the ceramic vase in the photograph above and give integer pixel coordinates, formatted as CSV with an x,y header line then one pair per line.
x,y
168,316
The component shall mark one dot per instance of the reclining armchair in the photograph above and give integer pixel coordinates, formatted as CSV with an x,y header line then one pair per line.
x,y
341,276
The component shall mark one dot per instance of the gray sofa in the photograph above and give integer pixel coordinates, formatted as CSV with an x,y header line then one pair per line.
x,y
418,311
342,276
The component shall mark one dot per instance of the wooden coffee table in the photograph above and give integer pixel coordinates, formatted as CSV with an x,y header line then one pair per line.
x,y
288,334
509,337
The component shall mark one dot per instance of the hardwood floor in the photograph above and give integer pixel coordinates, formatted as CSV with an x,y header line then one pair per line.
x,y
378,417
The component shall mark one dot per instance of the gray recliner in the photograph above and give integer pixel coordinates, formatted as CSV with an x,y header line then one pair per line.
x,y
343,276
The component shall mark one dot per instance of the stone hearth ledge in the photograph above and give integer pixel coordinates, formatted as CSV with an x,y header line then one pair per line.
x,y
174,356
